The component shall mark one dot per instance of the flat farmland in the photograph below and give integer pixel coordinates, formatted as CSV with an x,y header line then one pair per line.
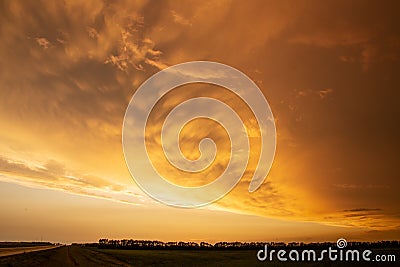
x,y
62,256
221,258
82,256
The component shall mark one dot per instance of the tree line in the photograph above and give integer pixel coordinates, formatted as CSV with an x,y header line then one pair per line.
x,y
155,244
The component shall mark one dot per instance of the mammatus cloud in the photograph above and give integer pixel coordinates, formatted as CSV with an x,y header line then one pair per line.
x,y
70,68
43,42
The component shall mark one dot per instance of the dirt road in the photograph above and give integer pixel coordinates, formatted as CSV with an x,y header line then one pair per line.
x,y
19,250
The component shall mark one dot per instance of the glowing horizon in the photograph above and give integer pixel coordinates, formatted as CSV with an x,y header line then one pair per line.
x,y
70,69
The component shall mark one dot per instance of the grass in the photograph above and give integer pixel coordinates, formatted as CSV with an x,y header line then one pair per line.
x,y
184,257
81,256
221,258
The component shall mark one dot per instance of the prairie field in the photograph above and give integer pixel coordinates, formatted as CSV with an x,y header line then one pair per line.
x,y
81,256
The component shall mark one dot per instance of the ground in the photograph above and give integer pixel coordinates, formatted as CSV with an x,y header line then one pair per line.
x,y
80,256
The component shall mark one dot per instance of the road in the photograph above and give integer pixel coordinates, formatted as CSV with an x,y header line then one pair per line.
x,y
19,250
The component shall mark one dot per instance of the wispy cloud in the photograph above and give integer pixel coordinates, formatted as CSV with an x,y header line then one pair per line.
x,y
54,175
324,93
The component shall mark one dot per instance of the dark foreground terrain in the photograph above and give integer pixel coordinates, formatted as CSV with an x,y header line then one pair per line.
x,y
80,256
62,256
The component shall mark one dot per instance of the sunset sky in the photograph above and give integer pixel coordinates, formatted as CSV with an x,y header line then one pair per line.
x,y
330,71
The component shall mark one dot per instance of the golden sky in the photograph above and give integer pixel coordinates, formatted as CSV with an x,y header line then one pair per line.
x,y
329,70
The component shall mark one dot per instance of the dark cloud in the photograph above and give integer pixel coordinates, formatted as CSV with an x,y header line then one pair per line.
x,y
361,209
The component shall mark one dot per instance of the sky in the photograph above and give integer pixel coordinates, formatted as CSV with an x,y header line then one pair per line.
x,y
330,73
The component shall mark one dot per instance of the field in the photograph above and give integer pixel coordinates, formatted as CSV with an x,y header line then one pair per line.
x,y
80,256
